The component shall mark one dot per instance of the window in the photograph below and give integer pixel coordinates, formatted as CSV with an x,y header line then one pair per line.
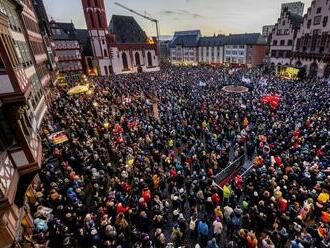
x,y
325,21
282,43
298,44
7,137
149,59
318,10
96,3
274,42
281,54
23,53
283,23
14,21
106,70
241,46
235,46
241,53
273,53
99,19
290,42
228,52
103,42
36,91
91,17
309,22
2,66
234,52
317,20
105,53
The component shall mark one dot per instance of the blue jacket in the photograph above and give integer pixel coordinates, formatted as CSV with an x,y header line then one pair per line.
x,y
203,228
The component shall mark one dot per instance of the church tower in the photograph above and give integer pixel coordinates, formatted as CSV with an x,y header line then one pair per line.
x,y
96,22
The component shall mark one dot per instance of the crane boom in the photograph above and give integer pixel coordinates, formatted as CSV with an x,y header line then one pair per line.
x,y
137,13
145,17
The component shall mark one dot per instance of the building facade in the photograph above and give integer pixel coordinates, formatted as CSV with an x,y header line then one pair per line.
x,y
267,31
38,75
67,48
312,46
303,42
210,50
122,47
21,98
46,34
296,8
132,51
96,22
184,47
242,49
282,39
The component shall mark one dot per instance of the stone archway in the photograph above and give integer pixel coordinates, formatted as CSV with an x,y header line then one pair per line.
x,y
313,69
298,64
326,73
149,59
124,60
137,59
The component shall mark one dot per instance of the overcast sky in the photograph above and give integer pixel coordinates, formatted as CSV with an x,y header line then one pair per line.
x,y
210,16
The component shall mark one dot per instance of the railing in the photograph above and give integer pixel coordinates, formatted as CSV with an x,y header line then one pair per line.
x,y
233,167
247,171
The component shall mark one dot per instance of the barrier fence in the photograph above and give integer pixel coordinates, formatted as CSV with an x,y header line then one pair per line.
x,y
230,171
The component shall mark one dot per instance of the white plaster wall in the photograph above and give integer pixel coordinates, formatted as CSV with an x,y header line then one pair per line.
x,y
102,63
5,84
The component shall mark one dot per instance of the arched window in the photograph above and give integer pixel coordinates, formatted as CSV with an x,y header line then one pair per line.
x,y
92,19
124,59
90,63
149,59
96,4
105,53
99,19
313,70
137,59
106,70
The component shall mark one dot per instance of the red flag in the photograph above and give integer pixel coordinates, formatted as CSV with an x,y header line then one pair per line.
x,y
273,101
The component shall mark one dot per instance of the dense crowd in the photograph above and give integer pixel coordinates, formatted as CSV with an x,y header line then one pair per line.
x,y
138,169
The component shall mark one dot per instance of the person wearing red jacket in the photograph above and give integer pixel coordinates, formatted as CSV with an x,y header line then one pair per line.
x,y
215,198
283,205
120,208
146,194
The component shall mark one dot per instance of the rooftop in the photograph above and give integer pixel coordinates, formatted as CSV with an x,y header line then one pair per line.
x,y
126,29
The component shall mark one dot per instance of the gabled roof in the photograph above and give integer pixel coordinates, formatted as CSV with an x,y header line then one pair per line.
x,y
245,39
185,41
212,41
126,29
67,30
189,32
220,40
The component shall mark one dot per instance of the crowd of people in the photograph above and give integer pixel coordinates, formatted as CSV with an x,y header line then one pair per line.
x,y
143,151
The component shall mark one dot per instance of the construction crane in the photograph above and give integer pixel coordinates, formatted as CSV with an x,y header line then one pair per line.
x,y
144,16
